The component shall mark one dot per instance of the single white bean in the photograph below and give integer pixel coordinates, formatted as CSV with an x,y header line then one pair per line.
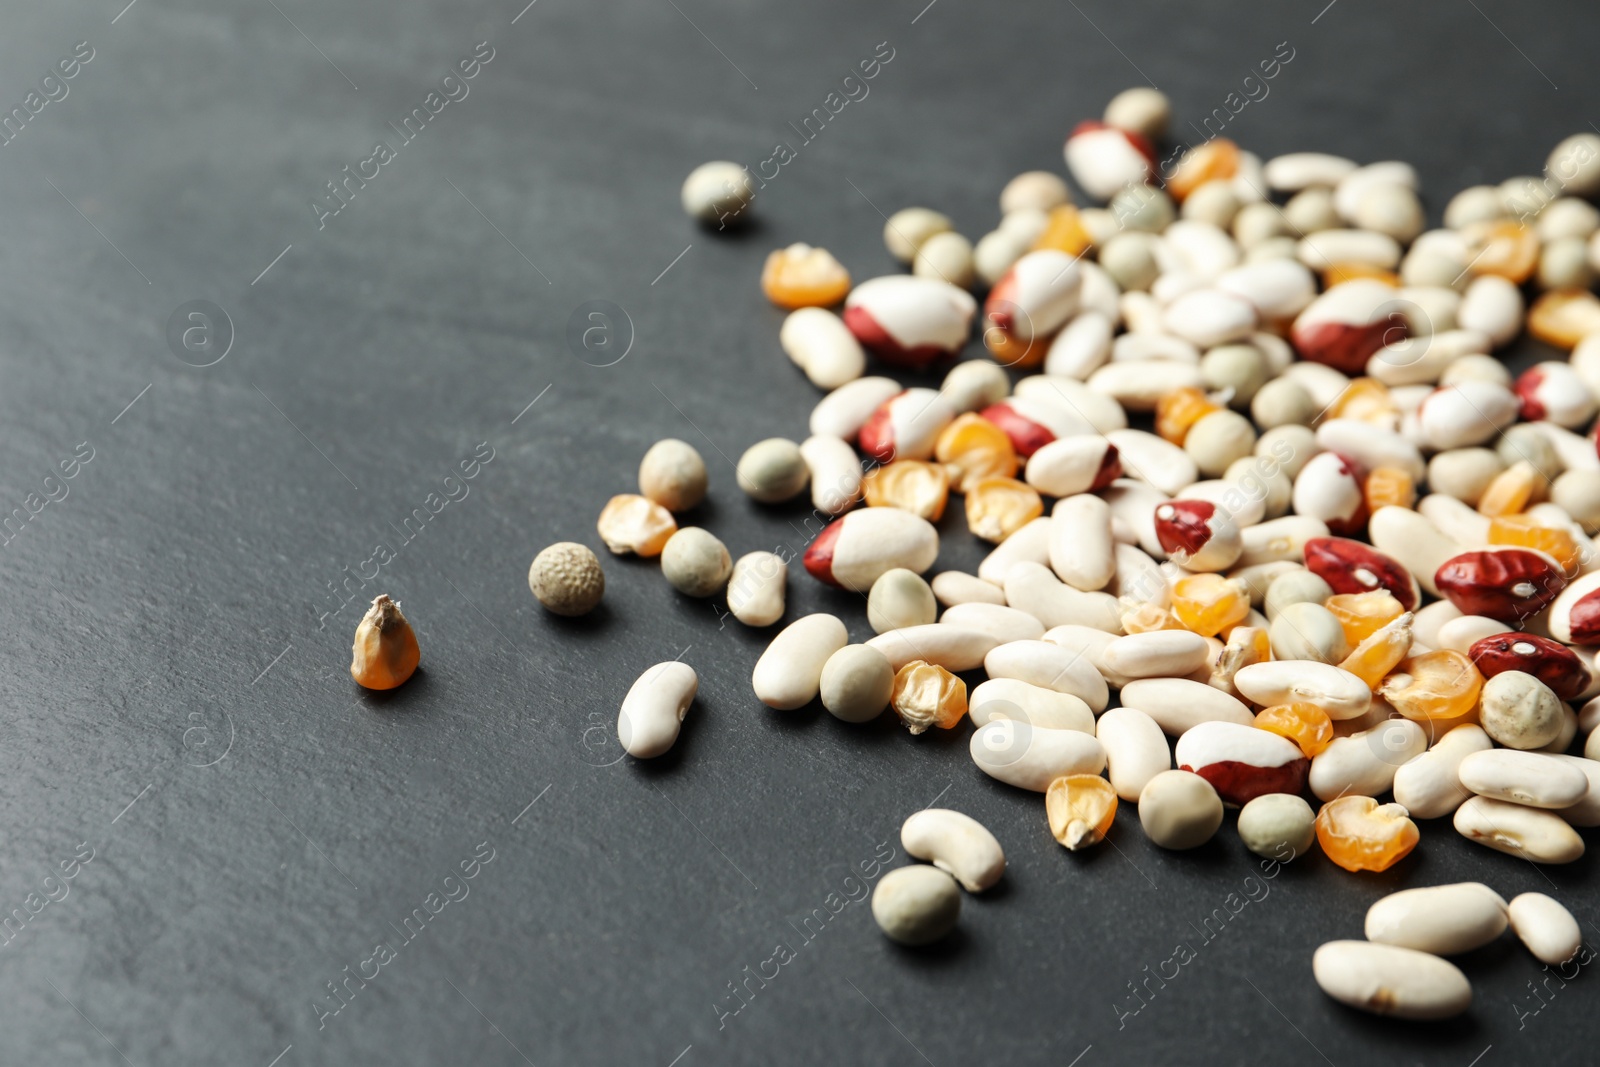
x,y
1364,763
1009,698
955,587
1546,927
1532,778
1179,704
756,588
1441,919
955,648
1046,664
1080,542
1031,544
789,673
1429,786
1158,654
1034,588
654,708
1335,690
1002,623
835,473
956,844
1389,980
1529,833
1031,757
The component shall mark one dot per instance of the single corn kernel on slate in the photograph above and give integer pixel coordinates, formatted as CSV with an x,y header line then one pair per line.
x,y
385,651
1081,808
632,523
1359,834
910,485
926,694
1305,724
1435,685
802,276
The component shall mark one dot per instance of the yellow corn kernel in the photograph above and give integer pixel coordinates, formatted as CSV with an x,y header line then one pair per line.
x,y
910,485
999,507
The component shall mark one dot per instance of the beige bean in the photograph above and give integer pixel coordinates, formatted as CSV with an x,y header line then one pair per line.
x,y
1335,690
1136,750
1429,786
1081,543
653,710
956,844
1050,666
955,587
1545,927
1002,623
1178,704
1531,778
955,648
1441,919
1389,980
1034,588
1529,833
1158,654
756,588
1031,757
1364,763
789,673
1009,698
1031,544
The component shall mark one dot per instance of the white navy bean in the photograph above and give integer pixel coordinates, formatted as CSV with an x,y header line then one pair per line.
x,y
653,710
1081,542
1389,980
1442,919
1295,171
821,344
974,385
1364,763
1371,446
955,587
1531,778
835,473
1034,588
1279,539
844,411
1209,317
1155,460
1429,786
1134,503
1031,757
1136,750
1010,698
1493,306
957,844
1138,347
1004,624
1157,654
955,648
1324,249
1081,347
1279,289
1546,927
1048,665
1528,833
1086,406
756,588
789,673
1031,544
1179,704
1138,384
1347,195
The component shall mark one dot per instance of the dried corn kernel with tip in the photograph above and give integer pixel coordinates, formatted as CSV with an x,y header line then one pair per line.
x,y
1215,160
1207,604
1389,487
1246,645
1375,657
976,448
1363,614
1064,231
910,485
926,694
1179,410
1510,491
1367,400
385,651
801,276
1359,834
632,523
1564,318
1525,532
1503,247
1339,273
1081,808
999,507
1434,685
1144,618
1305,724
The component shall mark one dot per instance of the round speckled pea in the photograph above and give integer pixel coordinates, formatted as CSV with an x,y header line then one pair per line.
x,y
1130,259
1240,370
1519,711
1277,826
1307,630
567,579
1282,402
772,471
695,563
1143,207
907,229
916,905
857,682
1217,440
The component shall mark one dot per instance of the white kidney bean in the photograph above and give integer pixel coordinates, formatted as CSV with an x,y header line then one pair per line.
x,y
1103,159
820,344
1469,413
1048,665
1072,465
835,473
1279,539
1158,654
1138,575
1459,635
1335,690
1002,623
1278,289
1429,786
1031,757
1081,348
654,708
1009,698
946,256
1152,459
717,191
1545,927
956,587
1034,588
1080,542
873,540
1130,347
1179,810
789,673
1179,704
1210,317
1534,779
1493,306
1586,812
1295,171
1100,412
1091,644
1371,446
1442,919
1139,384
756,588
1134,502
844,411
1529,833
957,844
1414,542
916,905
856,683
1422,360
1364,763
974,385
1454,520
955,648
1389,980
1031,544
1353,186
1136,750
